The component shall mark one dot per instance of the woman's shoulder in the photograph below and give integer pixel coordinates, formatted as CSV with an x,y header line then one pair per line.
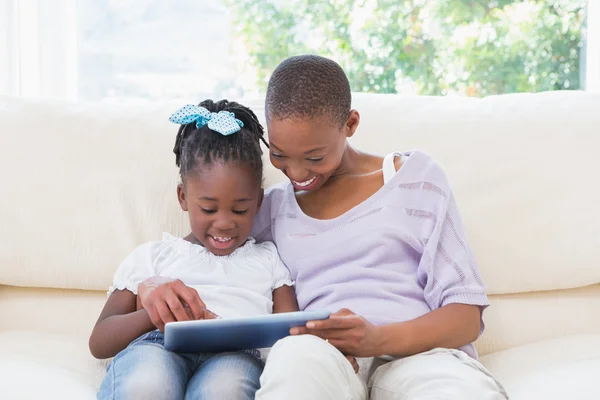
x,y
275,197
277,191
417,166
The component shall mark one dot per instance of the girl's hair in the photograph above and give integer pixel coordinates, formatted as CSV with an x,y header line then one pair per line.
x,y
204,146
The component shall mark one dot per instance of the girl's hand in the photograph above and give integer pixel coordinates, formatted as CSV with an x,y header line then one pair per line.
x,y
350,333
166,300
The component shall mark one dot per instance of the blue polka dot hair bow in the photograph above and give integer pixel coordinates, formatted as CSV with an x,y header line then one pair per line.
x,y
223,122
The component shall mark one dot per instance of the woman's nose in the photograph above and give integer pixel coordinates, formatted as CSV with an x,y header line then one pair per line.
x,y
297,174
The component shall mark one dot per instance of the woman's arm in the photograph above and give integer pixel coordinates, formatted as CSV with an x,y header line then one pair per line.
x,y
118,325
451,326
284,300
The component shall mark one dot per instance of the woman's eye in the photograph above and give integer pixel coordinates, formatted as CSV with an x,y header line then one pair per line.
x,y
315,160
240,212
208,211
277,156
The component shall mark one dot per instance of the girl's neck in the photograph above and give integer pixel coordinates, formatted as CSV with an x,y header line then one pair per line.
x,y
192,239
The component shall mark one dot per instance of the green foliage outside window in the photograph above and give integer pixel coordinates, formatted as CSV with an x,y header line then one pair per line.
x,y
473,48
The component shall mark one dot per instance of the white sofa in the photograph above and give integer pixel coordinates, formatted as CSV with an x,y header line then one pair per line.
x,y
82,184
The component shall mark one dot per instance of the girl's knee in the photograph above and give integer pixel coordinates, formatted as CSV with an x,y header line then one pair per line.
x,y
144,382
240,389
151,382
227,376
147,372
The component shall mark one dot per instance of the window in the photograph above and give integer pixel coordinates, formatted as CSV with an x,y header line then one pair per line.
x,y
144,50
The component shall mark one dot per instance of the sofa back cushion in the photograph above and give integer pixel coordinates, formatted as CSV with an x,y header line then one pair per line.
x,y
83,184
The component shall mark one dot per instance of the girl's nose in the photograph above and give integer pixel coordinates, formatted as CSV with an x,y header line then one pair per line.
x,y
224,224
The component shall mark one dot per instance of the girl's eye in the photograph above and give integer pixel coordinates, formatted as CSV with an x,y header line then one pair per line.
x,y
207,211
277,156
316,160
240,212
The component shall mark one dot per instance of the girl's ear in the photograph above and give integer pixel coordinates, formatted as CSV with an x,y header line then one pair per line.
x,y
181,197
351,123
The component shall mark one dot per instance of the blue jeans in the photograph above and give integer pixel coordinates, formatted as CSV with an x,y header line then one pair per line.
x,y
145,370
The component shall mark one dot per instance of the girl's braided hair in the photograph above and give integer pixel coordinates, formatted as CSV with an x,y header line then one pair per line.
x,y
202,146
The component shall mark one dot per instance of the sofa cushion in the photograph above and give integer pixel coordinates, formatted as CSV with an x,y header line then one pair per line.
x,y
558,369
26,378
62,362
42,365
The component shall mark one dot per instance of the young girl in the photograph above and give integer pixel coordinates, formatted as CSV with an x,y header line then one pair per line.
x,y
218,269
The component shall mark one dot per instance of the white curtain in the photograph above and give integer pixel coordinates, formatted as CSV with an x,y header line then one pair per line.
x,y
38,48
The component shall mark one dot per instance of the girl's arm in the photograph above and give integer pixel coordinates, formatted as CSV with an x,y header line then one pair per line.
x,y
284,300
118,325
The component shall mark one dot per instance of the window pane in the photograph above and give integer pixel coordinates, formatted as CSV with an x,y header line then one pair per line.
x,y
155,49
158,49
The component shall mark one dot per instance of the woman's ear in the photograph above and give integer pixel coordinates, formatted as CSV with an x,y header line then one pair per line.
x,y
181,197
351,123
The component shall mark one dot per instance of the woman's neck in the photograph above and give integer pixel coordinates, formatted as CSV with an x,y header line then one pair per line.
x,y
355,163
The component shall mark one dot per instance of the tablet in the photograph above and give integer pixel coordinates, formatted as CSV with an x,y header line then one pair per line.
x,y
232,334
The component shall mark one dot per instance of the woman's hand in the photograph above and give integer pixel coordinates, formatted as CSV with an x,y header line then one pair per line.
x,y
354,363
169,300
350,333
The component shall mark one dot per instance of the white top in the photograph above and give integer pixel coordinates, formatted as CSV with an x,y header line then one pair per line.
x,y
237,285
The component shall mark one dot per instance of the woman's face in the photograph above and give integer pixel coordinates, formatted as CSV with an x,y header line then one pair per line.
x,y
310,151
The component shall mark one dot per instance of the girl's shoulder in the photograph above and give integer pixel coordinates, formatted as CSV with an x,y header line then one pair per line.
x,y
162,251
178,245
264,250
151,252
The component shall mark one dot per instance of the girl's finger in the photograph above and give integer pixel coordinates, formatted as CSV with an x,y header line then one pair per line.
x,y
194,302
176,307
209,314
155,318
165,315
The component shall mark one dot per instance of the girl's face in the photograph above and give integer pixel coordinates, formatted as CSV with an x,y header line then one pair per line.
x,y
221,200
309,152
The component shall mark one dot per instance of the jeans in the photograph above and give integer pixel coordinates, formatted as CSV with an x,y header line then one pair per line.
x,y
145,370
